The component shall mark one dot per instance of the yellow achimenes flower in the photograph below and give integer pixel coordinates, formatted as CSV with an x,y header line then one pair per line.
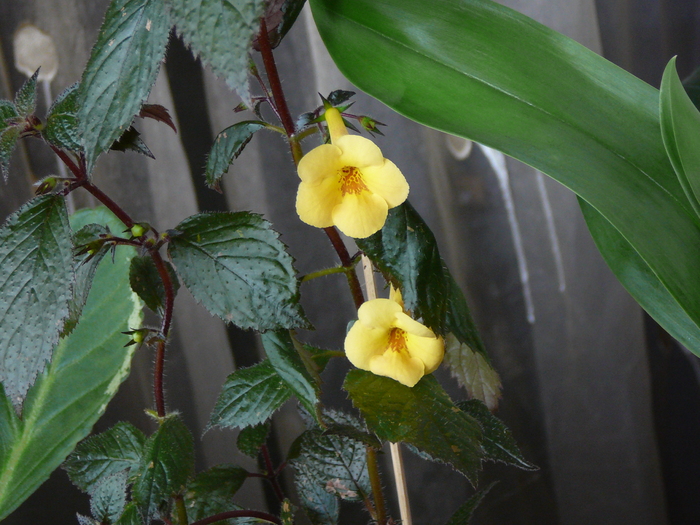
x,y
388,342
348,183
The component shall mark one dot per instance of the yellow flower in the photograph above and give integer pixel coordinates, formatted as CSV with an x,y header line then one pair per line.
x,y
387,342
348,183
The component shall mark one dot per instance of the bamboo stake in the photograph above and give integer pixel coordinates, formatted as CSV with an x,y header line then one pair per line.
x,y
396,458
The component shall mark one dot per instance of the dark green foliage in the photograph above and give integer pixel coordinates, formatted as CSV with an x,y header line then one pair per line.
x,y
122,68
287,512
36,272
227,146
8,139
146,283
498,442
423,416
131,140
322,507
288,364
62,128
249,397
251,439
166,463
463,515
219,32
25,99
131,516
116,450
279,17
108,498
212,491
235,265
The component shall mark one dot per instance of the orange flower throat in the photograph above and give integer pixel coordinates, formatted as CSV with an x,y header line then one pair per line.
x,y
351,181
397,340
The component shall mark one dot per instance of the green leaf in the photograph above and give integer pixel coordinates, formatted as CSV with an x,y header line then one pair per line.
x,y
211,492
109,498
62,128
322,507
131,516
458,317
227,146
406,249
463,515
287,512
249,397
220,32
289,366
8,112
167,462
680,125
122,68
146,283
503,80
36,273
251,439
8,140
473,372
25,99
116,450
498,443
131,140
423,416
71,394
235,265
336,464
280,17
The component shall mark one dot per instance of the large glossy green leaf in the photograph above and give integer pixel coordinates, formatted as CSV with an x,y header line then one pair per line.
x,y
236,266
73,391
122,69
36,274
477,69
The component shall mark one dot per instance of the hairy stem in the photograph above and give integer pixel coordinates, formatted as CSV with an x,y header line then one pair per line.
x,y
109,203
346,261
274,79
164,330
272,473
181,510
376,483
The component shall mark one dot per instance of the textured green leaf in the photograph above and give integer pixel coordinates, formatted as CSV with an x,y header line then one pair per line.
x,y
122,68
235,265
680,128
84,520
25,99
503,80
287,512
336,464
8,140
498,443
280,17
289,366
131,140
423,416
166,463
108,498
211,492
8,112
71,394
227,146
62,128
36,273
249,397
220,33
322,507
251,439
118,449
463,515
131,516
146,283
473,372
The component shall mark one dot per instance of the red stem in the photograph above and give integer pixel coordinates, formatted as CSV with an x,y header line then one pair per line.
x,y
346,261
72,166
107,201
274,79
159,368
272,473
239,514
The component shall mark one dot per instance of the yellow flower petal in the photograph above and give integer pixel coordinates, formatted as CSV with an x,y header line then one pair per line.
x,y
363,343
430,350
379,313
336,126
320,163
360,215
316,202
359,152
387,181
410,325
405,369
395,295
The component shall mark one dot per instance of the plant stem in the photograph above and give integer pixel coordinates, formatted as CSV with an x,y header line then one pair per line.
x,y
324,273
376,484
164,330
109,203
346,261
181,510
239,514
274,79
271,473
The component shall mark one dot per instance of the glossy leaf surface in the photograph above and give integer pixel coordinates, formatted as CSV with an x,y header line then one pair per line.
x,y
227,146
235,265
121,70
212,491
36,273
501,79
423,416
73,391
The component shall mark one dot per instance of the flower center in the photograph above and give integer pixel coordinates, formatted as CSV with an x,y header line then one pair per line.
x,y
351,181
397,340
